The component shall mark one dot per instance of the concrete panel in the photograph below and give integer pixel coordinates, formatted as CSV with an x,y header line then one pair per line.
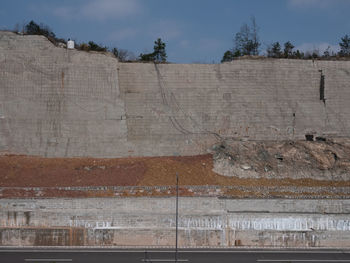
x,y
58,102
151,221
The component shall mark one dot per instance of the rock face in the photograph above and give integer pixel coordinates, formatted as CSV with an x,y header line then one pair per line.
x,y
317,160
63,103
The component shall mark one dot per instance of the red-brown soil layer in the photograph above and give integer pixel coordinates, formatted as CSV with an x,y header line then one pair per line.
x,y
29,171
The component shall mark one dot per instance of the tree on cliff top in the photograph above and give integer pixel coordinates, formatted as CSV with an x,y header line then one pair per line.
x,y
158,54
123,54
246,42
96,47
274,51
33,28
288,49
159,51
247,39
344,46
229,55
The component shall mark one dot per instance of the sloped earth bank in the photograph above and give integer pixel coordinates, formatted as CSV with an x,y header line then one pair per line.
x,y
318,160
233,169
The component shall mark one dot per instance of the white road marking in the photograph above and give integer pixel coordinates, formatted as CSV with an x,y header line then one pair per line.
x,y
180,251
303,260
48,259
164,260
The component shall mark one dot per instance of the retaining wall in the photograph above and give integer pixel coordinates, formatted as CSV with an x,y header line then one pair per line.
x,y
59,102
151,222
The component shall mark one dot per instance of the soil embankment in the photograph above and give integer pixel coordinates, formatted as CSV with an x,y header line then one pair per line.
x,y
239,169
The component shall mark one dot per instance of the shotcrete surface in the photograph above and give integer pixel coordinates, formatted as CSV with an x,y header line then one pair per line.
x,y
56,102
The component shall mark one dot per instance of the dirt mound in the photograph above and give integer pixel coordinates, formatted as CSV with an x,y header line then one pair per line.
x,y
29,171
325,160
248,169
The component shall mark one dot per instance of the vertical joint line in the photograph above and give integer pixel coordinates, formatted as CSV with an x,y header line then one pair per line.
x,y
322,87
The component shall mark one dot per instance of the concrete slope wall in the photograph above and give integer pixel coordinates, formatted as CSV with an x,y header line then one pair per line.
x,y
193,105
151,222
58,102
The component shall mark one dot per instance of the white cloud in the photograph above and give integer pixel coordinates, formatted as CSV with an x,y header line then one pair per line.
x,y
64,12
165,29
184,43
123,34
313,3
320,47
100,9
210,44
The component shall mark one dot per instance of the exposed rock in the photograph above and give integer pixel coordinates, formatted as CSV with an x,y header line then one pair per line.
x,y
319,160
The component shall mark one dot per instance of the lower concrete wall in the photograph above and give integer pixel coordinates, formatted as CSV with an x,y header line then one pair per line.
x,y
151,222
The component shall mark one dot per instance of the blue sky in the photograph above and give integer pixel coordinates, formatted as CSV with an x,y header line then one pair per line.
x,y
195,31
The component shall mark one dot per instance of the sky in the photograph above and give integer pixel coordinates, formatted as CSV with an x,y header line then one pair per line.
x,y
195,31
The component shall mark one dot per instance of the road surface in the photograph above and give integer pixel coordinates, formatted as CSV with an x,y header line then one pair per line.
x,y
50,255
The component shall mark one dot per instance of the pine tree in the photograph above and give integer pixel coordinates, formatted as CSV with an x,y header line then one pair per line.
x,y
275,50
158,54
288,49
159,51
344,46
299,55
228,56
33,28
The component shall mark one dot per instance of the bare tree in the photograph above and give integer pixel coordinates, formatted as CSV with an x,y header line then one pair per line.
x,y
123,54
247,39
255,36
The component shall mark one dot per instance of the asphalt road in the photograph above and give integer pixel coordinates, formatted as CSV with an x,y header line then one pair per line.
x,y
199,255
